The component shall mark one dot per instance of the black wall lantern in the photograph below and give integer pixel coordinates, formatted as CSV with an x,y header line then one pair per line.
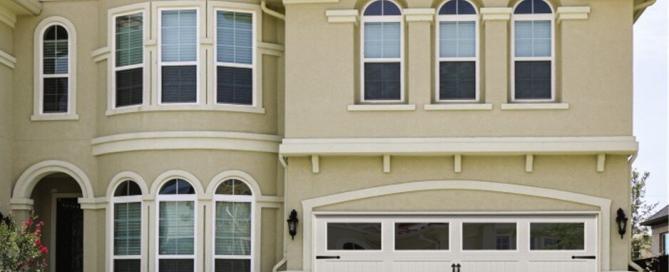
x,y
621,222
292,224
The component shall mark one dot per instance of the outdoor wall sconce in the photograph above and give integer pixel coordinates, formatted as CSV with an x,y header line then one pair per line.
x,y
292,223
621,221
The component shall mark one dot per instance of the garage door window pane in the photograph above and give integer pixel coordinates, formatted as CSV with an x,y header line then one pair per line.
x,y
421,236
557,236
489,236
354,236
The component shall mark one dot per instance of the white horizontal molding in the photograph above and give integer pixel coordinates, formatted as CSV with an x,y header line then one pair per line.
x,y
218,107
342,16
535,106
273,49
496,14
97,203
100,54
186,140
297,2
573,13
457,107
7,59
624,145
419,14
54,117
382,107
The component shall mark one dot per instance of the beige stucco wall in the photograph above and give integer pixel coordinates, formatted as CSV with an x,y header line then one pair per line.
x,y
6,133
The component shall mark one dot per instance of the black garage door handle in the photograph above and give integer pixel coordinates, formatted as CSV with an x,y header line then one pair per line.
x,y
584,257
327,257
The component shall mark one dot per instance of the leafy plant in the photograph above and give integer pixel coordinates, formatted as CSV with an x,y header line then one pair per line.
x,y
22,248
641,239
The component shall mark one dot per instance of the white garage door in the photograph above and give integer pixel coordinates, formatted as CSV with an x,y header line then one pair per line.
x,y
405,243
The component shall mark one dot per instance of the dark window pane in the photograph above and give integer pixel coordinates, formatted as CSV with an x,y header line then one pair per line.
x,y
169,188
533,7
489,236
233,265
177,187
421,236
234,85
454,7
233,187
533,80
557,236
457,80
179,265
179,84
129,88
127,188
55,50
127,265
354,236
55,95
382,7
382,81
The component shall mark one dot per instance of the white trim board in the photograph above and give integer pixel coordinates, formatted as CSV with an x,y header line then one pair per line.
x,y
624,145
7,59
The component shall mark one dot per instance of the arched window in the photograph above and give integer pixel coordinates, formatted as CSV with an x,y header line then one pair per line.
x,y
55,68
127,227
533,51
458,65
176,226
382,53
233,227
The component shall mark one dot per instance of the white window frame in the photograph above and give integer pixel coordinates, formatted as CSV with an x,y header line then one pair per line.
x,y
525,18
363,59
176,198
196,62
126,199
476,59
39,76
111,75
241,199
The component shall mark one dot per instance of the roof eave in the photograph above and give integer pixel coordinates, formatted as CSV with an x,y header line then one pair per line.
x,y
641,7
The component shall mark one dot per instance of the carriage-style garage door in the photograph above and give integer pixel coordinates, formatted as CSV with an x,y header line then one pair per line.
x,y
462,243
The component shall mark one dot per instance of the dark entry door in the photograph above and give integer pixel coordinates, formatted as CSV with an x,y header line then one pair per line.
x,y
69,236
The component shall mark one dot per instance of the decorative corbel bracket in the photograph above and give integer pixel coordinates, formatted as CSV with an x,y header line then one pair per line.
x,y
342,16
573,13
419,14
496,14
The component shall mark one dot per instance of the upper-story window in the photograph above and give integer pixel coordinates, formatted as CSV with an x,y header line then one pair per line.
x,y
533,52
179,56
233,224
458,52
176,226
129,60
235,59
382,50
127,227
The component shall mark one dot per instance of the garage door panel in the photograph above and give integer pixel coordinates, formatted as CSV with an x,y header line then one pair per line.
x,y
561,266
420,266
350,266
490,266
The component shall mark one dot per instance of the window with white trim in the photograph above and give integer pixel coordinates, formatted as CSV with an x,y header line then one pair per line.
x,y
533,52
179,56
129,60
233,229
176,226
382,50
458,52
127,227
235,47
56,70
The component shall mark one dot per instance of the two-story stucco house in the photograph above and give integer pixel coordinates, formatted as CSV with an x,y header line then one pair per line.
x,y
320,135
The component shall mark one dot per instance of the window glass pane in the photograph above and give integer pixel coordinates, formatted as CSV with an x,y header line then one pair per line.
x,y
533,39
664,240
455,7
382,81
55,95
382,40
176,228
457,39
533,80
234,85
233,187
180,265
234,37
421,236
179,84
129,45
382,7
457,80
233,228
533,7
127,188
129,89
177,186
489,236
179,35
557,236
233,265
127,228
354,236
55,52
127,265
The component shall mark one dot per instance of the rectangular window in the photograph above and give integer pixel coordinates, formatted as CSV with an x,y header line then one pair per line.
x,y
234,57
354,236
233,236
129,60
457,61
176,236
178,50
421,236
382,61
664,243
55,95
533,60
489,236
55,70
557,236
127,236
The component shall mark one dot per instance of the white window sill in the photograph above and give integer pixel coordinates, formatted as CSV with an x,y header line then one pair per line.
x,y
229,108
382,107
536,106
458,107
54,117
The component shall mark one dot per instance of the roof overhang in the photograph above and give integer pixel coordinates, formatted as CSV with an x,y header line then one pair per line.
x,y
640,6
10,9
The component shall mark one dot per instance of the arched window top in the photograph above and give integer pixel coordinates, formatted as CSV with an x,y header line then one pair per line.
x,y
533,7
127,188
382,8
177,187
457,7
234,187
55,50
